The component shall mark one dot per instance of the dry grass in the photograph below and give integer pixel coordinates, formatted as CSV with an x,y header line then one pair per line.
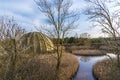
x,y
85,50
71,48
88,52
68,67
106,70
43,67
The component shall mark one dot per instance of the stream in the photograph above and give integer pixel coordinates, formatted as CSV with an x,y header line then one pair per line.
x,y
85,66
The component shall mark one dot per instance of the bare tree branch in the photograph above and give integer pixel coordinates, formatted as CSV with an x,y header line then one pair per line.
x,y
61,19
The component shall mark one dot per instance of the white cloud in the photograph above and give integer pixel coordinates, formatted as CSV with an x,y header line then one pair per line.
x,y
27,12
78,4
23,11
17,6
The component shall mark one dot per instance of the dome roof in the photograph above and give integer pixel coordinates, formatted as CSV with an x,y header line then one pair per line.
x,y
37,42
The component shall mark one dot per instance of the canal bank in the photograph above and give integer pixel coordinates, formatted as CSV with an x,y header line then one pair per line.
x,y
85,70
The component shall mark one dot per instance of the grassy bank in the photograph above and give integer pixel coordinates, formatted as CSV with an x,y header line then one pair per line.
x,y
89,52
85,50
43,67
107,70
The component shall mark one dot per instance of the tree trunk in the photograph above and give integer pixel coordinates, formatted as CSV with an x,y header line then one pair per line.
x,y
58,52
58,63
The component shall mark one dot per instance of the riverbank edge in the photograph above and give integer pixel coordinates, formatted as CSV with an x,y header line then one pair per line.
x,y
72,77
75,72
72,69
89,52
97,72
94,75
106,70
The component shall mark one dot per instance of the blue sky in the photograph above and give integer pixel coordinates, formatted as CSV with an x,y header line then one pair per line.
x,y
27,13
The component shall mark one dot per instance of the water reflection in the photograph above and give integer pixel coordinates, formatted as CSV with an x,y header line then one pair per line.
x,y
84,58
85,66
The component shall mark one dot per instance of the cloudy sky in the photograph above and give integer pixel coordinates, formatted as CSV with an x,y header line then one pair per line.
x,y
27,13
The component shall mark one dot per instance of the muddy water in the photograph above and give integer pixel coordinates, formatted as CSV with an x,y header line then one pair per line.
x,y
85,66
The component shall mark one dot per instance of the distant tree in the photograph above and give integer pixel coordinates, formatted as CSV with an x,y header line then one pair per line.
x,y
10,32
101,15
84,35
66,40
61,19
85,39
71,40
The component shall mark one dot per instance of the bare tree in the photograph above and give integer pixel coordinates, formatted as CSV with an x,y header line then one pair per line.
x,y
101,15
10,33
85,35
61,18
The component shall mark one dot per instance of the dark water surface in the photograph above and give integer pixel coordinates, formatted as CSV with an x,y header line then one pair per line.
x,y
85,66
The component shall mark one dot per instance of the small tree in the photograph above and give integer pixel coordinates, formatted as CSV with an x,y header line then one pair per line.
x,y
10,32
101,15
61,19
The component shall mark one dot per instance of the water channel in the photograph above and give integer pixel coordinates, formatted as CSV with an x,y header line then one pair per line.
x,y
86,64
